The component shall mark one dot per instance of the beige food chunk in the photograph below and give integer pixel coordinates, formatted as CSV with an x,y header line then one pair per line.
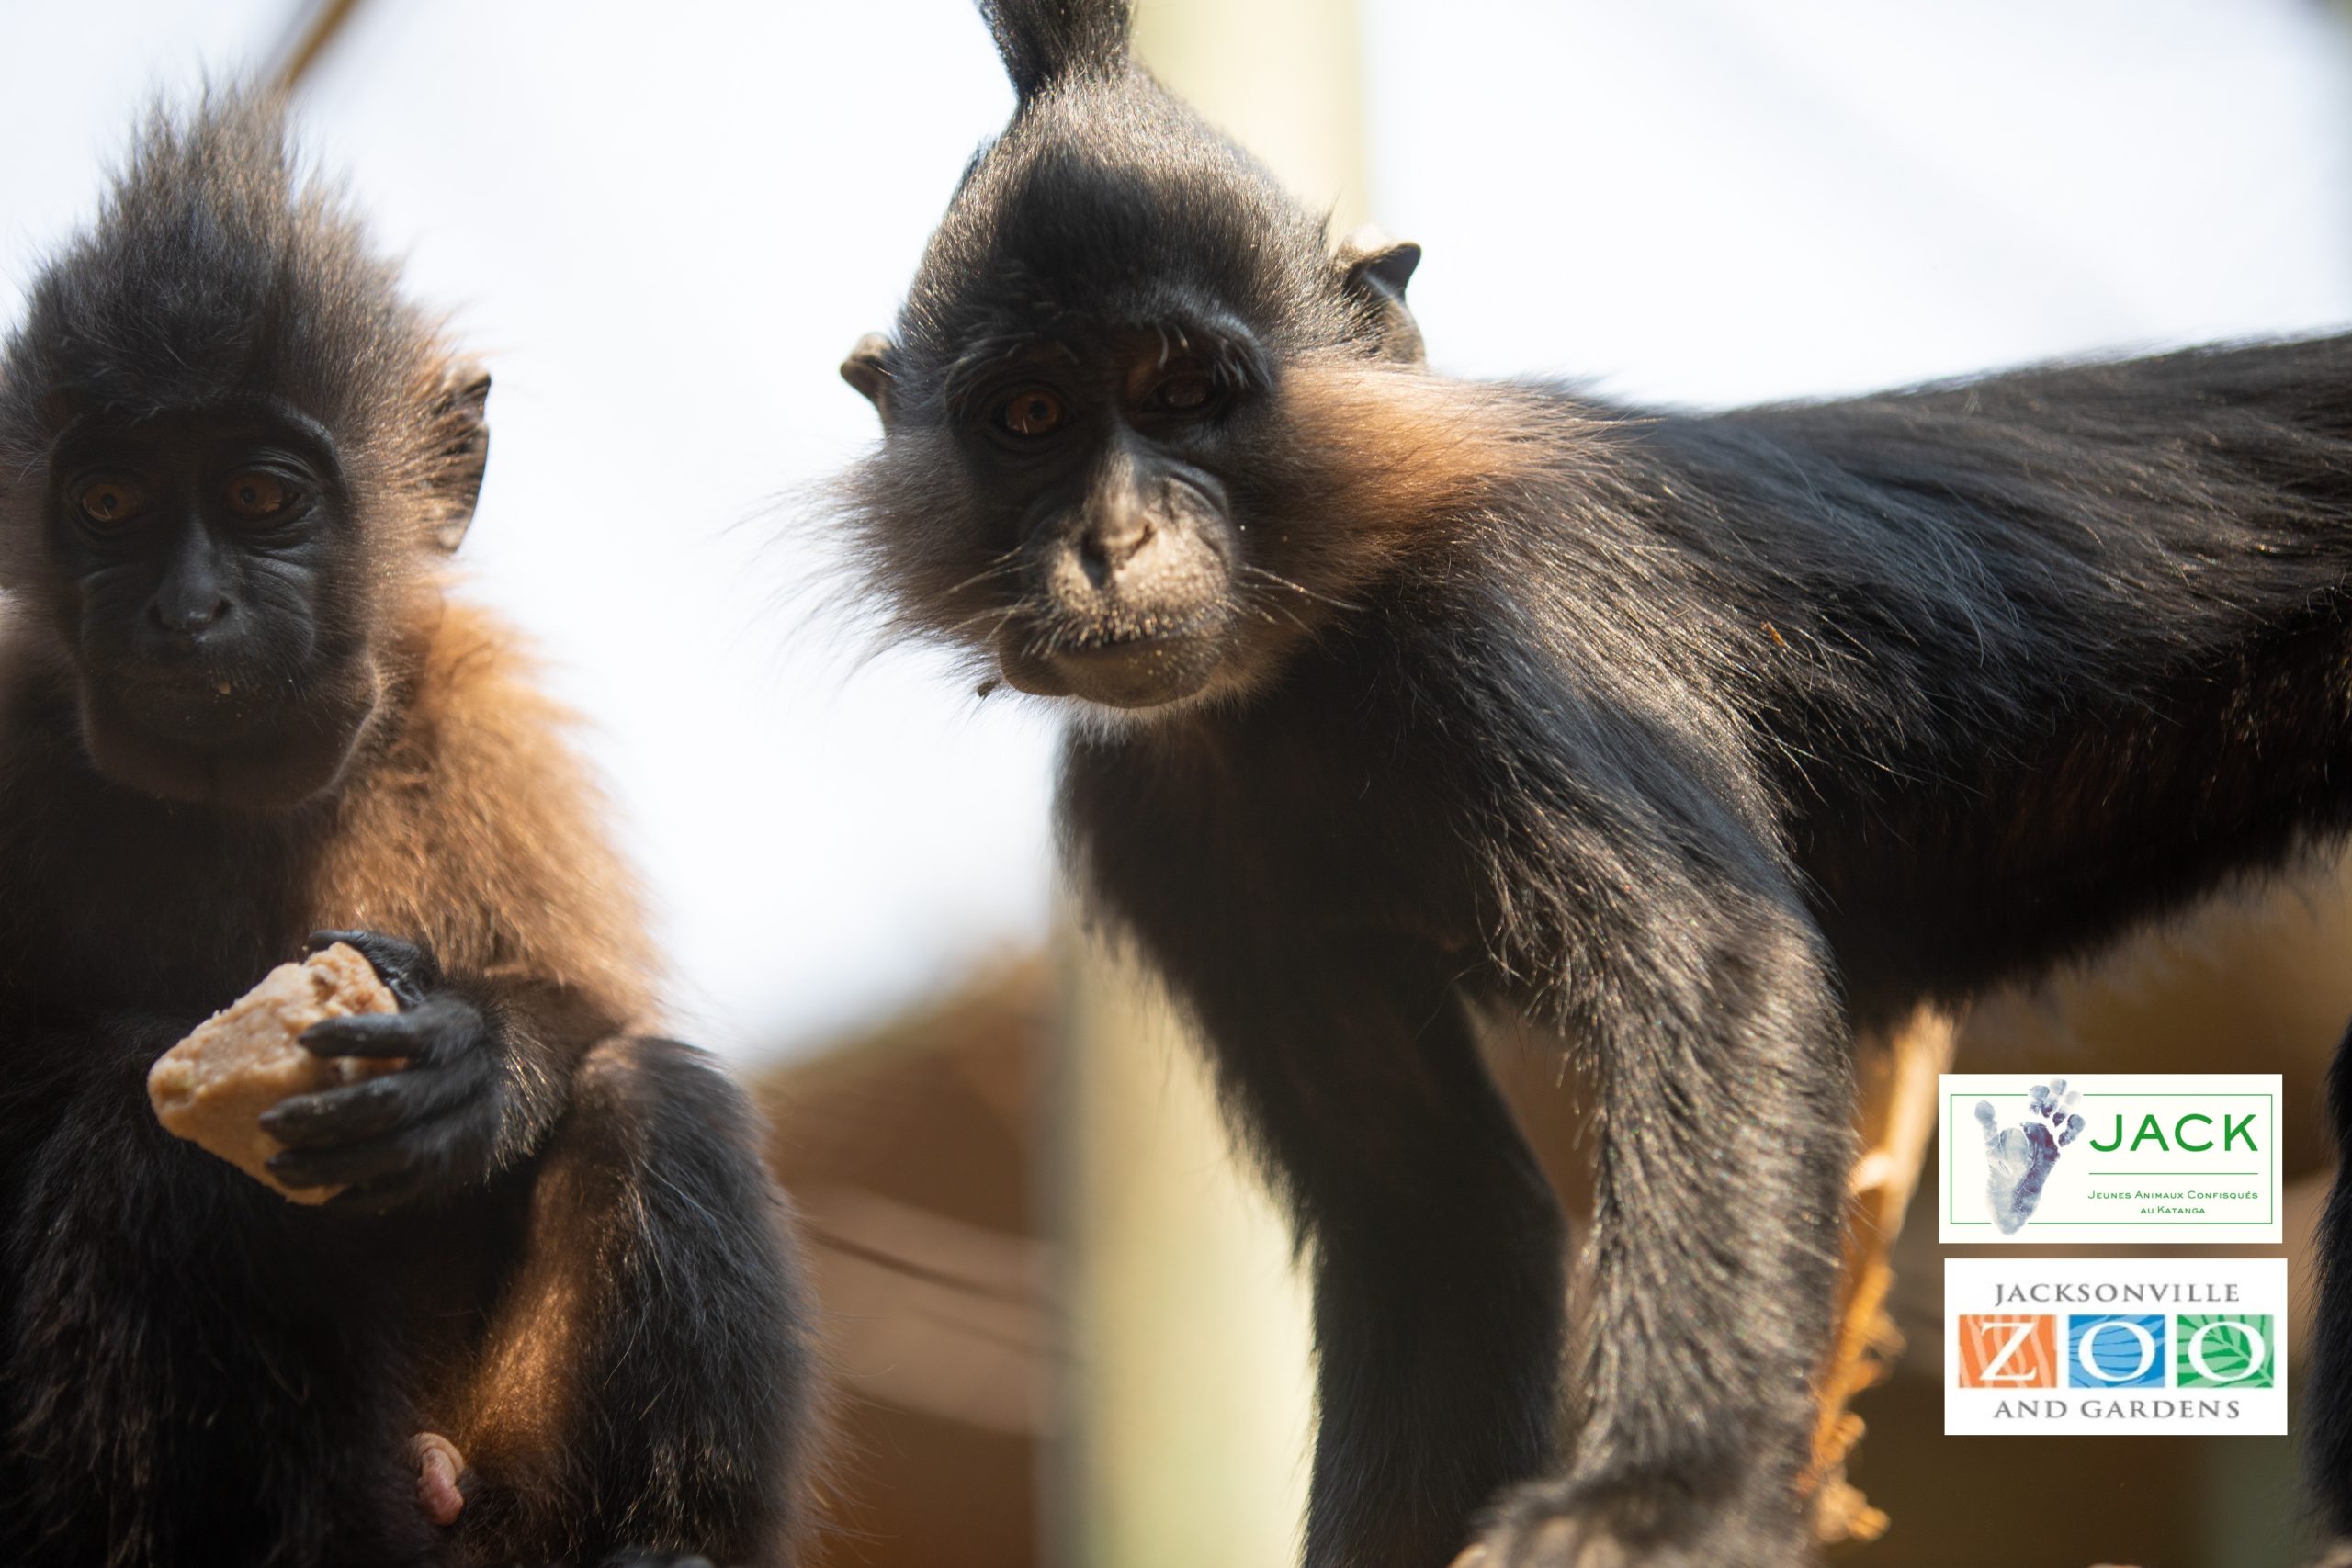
x,y
212,1087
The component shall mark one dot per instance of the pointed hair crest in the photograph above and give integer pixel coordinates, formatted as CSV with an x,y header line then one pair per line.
x,y
1046,41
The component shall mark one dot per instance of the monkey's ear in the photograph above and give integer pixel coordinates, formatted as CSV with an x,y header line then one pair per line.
x,y
462,428
868,369
1373,270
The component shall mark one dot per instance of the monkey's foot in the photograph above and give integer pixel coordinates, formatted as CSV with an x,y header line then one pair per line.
x,y
438,1466
1560,1523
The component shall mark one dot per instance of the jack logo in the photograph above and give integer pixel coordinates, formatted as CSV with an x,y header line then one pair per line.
x,y
2114,1157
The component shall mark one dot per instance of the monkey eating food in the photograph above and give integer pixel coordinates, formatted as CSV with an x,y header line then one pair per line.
x,y
548,1310
1704,740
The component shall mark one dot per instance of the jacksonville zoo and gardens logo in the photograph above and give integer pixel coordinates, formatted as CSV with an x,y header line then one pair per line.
x,y
2136,1157
2115,1345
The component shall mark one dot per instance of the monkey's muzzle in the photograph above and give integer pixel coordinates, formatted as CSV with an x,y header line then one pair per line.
x,y
1129,610
192,708
1130,670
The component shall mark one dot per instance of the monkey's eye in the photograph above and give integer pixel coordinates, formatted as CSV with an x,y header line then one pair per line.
x,y
256,496
109,501
1190,390
1033,411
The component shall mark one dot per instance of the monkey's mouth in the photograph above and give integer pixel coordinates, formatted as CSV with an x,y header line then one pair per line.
x,y
192,707
1119,666
262,745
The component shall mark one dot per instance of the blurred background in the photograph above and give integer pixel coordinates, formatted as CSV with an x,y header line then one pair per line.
x,y
1067,1332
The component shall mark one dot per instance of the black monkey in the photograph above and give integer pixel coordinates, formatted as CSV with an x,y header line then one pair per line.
x,y
1706,739
236,707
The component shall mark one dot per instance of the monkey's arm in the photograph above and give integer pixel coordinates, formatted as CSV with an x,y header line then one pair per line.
x,y
1436,1244
1641,906
1700,990
1349,1062
1437,1247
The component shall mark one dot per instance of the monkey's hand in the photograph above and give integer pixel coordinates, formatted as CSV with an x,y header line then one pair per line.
x,y
439,1124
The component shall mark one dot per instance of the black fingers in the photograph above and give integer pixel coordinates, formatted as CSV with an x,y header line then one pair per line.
x,y
375,1106
431,1123
410,972
439,1030
345,1165
428,1123
339,1115
437,1140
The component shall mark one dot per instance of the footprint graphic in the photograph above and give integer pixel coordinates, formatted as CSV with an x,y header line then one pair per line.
x,y
2019,1159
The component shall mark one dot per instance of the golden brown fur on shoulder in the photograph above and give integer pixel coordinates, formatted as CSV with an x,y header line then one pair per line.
x,y
474,826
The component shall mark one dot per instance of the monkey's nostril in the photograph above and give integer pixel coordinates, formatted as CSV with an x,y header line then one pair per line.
x,y
1105,546
187,619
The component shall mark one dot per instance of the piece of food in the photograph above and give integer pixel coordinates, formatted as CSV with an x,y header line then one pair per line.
x,y
212,1087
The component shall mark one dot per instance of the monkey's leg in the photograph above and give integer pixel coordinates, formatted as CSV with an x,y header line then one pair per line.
x,y
648,1388
2328,1403
1725,1102
1436,1243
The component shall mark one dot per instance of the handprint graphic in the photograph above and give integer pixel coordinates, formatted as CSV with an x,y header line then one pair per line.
x,y
2019,1159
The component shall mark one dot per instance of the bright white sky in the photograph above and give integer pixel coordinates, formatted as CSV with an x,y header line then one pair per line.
x,y
663,225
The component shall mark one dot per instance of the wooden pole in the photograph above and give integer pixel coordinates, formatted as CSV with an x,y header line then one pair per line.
x,y
1895,1094
1186,1410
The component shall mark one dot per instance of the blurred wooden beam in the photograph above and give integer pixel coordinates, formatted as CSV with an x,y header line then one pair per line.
x,y
306,37
1187,1410
1284,77
1184,1416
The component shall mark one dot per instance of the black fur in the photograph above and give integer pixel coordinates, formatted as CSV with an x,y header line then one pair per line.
x,y
558,1246
1045,41
1705,739
2327,1408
